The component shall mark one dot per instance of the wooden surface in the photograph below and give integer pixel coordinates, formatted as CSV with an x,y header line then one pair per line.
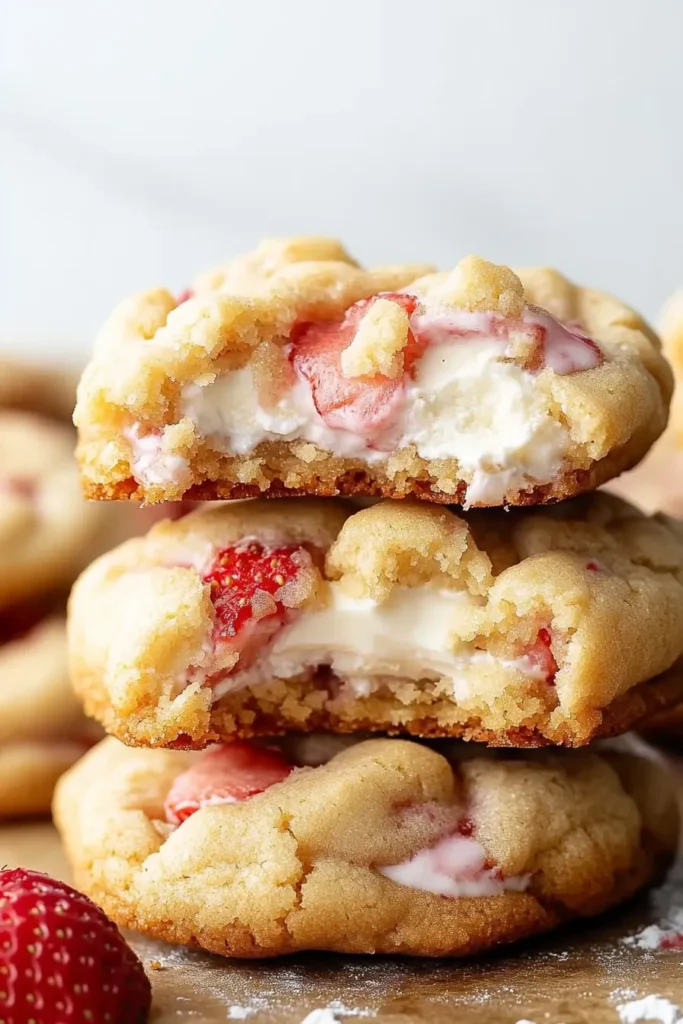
x,y
579,975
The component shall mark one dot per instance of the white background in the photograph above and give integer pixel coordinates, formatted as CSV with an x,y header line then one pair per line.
x,y
144,139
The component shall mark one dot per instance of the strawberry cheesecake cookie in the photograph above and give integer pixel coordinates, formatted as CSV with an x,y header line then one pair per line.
x,y
42,728
251,618
386,847
294,371
47,531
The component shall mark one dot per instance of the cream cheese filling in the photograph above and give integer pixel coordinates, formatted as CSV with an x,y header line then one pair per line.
x,y
464,402
412,635
455,866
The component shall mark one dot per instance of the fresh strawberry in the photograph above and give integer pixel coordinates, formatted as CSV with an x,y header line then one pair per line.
x,y
246,584
542,656
362,405
62,959
226,775
186,294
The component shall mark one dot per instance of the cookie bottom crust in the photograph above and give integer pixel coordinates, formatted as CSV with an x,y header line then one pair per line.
x,y
399,708
302,865
274,471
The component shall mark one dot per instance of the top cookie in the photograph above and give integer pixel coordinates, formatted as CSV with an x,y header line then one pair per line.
x,y
292,370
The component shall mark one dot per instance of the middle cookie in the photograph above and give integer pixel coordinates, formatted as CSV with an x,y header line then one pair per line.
x,y
519,628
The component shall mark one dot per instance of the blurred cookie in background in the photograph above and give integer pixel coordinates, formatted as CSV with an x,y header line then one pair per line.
x,y
47,531
48,394
657,483
42,728
46,390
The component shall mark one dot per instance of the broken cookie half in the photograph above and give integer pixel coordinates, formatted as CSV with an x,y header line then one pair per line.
x,y
252,618
294,371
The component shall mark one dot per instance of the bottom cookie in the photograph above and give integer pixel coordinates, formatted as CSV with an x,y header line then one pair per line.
x,y
389,846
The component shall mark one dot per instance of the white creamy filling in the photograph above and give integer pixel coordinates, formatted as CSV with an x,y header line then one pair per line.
x,y
412,635
151,465
455,866
228,411
463,403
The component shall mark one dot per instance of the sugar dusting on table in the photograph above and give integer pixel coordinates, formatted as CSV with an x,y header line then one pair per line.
x,y
651,1008
665,935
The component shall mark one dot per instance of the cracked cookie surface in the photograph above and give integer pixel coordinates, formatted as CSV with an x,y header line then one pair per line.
x,y
520,628
292,370
388,847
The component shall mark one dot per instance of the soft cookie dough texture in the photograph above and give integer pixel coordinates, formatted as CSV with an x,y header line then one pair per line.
x,y
304,864
202,397
521,628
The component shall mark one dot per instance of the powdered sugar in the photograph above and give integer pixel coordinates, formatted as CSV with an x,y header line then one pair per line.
x,y
651,1008
324,1016
667,934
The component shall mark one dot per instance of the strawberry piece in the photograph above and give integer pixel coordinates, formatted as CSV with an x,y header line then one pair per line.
x,y
246,581
363,405
62,959
186,294
542,656
227,775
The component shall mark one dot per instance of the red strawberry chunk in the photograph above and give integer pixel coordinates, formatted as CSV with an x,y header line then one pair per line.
x,y
246,585
227,775
62,959
363,405
541,655
186,294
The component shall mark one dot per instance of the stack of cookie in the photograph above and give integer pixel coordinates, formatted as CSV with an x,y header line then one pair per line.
x,y
281,633
47,535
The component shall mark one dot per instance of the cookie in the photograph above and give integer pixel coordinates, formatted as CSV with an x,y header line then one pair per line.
x,y
47,531
389,847
30,387
523,628
657,483
42,729
672,333
293,371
